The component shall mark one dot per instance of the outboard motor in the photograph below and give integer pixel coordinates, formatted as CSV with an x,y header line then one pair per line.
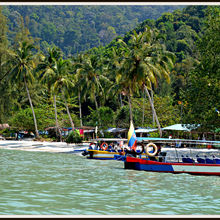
x,y
85,152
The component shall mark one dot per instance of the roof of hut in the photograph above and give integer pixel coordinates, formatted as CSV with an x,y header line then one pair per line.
x,y
3,126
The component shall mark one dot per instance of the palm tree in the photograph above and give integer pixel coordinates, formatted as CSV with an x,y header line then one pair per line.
x,y
89,74
64,83
77,66
157,63
48,74
144,61
127,71
22,71
114,88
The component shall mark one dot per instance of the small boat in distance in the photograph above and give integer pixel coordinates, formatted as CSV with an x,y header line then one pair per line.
x,y
107,148
116,146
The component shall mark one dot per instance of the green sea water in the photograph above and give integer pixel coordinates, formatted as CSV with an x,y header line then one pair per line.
x,y
42,183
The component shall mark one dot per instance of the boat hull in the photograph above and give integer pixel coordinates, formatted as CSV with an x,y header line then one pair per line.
x,y
101,155
165,167
105,155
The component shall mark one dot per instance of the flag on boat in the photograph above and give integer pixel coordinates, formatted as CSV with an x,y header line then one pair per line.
x,y
132,139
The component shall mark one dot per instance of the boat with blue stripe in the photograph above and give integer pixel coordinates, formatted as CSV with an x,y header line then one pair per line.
x,y
196,157
107,148
195,168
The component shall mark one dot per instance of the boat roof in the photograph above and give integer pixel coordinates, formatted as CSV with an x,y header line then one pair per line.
x,y
109,139
183,141
161,140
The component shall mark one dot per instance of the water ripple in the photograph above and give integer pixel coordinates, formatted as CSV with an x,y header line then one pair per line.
x,y
40,183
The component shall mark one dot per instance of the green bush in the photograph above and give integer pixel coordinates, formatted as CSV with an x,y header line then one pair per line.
x,y
74,137
155,134
7,132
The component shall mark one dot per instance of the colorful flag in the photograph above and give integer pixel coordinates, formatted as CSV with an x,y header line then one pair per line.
x,y
132,139
81,132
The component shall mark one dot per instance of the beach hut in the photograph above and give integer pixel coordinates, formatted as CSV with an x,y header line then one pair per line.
x,y
143,131
87,132
3,126
181,128
118,132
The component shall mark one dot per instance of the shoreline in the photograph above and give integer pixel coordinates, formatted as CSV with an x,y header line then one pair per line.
x,y
63,147
45,146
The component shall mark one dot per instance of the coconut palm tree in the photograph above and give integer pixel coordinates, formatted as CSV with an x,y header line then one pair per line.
x,y
157,63
64,83
89,73
144,61
48,74
23,64
76,68
114,88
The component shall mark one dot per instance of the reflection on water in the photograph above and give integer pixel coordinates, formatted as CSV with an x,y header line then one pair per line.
x,y
39,183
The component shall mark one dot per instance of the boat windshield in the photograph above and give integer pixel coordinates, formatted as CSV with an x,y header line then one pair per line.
x,y
194,155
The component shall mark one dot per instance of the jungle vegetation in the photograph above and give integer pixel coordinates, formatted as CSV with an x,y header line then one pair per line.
x,y
159,72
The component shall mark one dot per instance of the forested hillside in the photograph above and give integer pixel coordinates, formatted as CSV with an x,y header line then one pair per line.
x,y
160,72
78,28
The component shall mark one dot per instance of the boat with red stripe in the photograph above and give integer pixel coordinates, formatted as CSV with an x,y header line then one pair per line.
x,y
170,167
176,156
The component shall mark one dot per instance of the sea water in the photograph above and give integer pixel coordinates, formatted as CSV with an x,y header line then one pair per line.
x,y
43,183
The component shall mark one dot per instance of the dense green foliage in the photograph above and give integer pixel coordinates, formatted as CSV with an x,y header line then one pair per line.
x,y
74,137
75,28
203,92
164,71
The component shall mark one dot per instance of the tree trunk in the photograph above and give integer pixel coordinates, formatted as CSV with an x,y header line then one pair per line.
x,y
154,112
32,108
120,98
68,112
130,108
152,98
96,103
97,109
2,77
80,109
58,132
143,108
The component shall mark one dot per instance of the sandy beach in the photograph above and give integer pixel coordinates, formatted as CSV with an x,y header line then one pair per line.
x,y
63,147
57,147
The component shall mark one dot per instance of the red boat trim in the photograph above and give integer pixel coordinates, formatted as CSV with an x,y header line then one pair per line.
x,y
188,172
144,161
